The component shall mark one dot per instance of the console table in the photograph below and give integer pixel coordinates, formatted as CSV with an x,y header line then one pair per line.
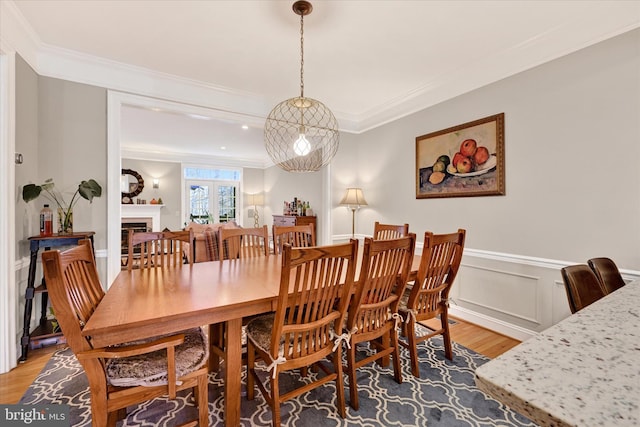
x,y
44,331
291,220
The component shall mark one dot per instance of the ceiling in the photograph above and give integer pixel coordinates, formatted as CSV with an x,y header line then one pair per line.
x,y
370,62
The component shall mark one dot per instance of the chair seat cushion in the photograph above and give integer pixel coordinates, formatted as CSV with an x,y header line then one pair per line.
x,y
404,298
259,331
150,369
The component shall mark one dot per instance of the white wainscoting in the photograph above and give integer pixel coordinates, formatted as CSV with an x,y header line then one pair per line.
x,y
514,295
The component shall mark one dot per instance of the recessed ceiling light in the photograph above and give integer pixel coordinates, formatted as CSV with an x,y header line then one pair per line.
x,y
199,117
223,148
245,127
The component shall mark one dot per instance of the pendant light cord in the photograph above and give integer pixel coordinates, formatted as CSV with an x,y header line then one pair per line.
x,y
302,56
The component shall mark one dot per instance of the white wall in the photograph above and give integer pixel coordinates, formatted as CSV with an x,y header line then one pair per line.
x,y
572,131
280,186
170,188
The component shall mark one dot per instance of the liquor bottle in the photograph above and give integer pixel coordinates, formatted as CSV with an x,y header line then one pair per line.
x,y
46,221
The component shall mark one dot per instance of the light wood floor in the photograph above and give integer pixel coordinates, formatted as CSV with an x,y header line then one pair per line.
x,y
13,384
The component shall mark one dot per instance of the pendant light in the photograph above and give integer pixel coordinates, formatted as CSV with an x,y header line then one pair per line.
x,y
301,134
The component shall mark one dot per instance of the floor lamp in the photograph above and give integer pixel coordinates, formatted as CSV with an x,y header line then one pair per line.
x,y
256,200
353,199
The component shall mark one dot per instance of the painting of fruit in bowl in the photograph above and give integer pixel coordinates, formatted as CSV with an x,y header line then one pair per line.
x,y
464,160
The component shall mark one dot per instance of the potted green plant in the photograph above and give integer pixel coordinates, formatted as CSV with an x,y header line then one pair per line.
x,y
86,190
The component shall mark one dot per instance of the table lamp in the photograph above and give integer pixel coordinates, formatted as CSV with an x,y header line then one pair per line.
x,y
353,199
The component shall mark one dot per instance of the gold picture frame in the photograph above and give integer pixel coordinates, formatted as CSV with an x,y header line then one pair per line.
x,y
462,161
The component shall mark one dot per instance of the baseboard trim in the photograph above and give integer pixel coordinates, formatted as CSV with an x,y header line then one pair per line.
x,y
504,328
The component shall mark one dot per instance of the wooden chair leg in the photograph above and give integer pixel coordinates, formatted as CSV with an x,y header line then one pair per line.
x,y
216,339
203,399
397,371
446,336
251,361
337,365
99,415
384,343
413,347
351,373
275,400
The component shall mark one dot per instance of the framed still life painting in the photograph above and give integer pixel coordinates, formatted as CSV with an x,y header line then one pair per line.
x,y
462,161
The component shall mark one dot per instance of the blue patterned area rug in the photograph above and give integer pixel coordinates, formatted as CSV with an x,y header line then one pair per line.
x,y
445,395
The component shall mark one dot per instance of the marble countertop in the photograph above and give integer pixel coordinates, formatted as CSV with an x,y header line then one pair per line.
x,y
583,371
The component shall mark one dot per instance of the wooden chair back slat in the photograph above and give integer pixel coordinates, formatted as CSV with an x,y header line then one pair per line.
x,y
159,249
428,297
389,231
243,242
74,288
75,292
385,267
295,235
439,264
373,310
315,286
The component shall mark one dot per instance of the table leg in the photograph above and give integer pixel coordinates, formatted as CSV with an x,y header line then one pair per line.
x,y
28,305
233,373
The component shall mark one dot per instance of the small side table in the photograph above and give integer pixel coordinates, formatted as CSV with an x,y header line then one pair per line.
x,y
45,329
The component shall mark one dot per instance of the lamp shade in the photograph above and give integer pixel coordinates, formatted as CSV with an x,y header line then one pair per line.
x,y
256,199
353,197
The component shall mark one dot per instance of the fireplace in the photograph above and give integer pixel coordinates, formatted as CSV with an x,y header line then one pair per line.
x,y
135,224
138,218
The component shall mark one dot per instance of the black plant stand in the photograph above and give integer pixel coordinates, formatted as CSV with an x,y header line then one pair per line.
x,y
43,333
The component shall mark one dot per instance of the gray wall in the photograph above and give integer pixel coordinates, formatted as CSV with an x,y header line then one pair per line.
x,y
72,146
27,144
572,142
170,188
61,133
280,186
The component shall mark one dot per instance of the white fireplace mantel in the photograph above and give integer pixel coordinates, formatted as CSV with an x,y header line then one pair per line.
x,y
143,211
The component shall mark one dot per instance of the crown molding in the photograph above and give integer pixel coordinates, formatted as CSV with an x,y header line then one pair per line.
x,y
200,159
82,68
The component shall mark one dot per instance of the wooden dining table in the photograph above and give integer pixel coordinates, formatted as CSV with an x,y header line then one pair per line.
x,y
145,303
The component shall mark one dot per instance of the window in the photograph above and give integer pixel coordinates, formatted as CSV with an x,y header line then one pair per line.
x,y
212,194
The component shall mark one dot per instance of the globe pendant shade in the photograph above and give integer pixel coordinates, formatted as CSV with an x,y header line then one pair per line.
x,y
292,150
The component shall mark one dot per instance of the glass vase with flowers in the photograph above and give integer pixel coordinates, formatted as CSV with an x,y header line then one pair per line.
x,y
86,190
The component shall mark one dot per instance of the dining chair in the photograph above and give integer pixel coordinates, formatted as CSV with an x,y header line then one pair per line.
x,y
428,297
582,286
373,311
295,235
315,286
127,374
389,231
159,248
235,243
607,273
243,242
